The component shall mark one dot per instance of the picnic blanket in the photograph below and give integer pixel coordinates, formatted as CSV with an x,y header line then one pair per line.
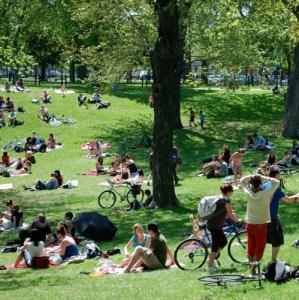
x,y
56,148
6,186
91,173
64,92
106,266
88,146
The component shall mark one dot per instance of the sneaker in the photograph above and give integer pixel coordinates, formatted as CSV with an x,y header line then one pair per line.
x,y
212,270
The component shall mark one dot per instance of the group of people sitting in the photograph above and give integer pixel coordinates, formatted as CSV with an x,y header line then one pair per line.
x,y
12,217
37,144
218,165
95,99
37,240
290,159
257,142
8,106
18,166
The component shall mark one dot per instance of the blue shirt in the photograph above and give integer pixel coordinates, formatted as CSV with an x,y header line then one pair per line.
x,y
274,205
278,195
135,241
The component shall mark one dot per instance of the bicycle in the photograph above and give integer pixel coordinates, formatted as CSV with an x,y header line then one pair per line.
x,y
192,253
107,198
227,279
12,144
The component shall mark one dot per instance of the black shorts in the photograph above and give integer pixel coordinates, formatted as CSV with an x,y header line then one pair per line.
x,y
218,239
275,234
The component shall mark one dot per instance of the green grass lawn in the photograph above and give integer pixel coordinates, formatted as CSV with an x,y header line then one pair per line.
x,y
230,117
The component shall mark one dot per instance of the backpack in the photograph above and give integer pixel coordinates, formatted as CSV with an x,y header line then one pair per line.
x,y
277,272
5,173
40,262
91,250
18,148
207,205
21,109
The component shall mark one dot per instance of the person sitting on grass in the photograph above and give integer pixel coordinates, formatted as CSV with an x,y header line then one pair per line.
x,y
131,165
285,162
209,166
59,177
249,143
5,160
123,176
43,113
5,221
153,257
12,118
222,170
95,98
149,201
215,224
34,247
2,119
20,85
225,154
45,97
102,104
259,142
139,238
52,184
9,104
67,247
99,166
51,141
257,214
81,100
7,86
271,158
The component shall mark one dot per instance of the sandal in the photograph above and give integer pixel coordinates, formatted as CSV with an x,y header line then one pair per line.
x,y
2,268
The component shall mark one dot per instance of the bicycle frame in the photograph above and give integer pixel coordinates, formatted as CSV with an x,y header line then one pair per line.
x,y
113,189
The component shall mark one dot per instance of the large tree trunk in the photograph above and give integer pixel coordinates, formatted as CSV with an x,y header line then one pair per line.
x,y
291,126
165,60
43,76
72,71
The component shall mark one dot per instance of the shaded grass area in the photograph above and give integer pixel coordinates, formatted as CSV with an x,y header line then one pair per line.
x,y
230,118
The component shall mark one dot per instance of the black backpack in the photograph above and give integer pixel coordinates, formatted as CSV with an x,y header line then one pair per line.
x,y
277,272
91,250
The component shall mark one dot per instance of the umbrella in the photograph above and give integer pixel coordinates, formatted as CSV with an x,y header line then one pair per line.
x,y
94,226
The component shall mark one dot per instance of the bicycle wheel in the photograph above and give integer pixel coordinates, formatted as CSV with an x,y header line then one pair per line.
x,y
107,199
221,279
237,247
131,196
190,254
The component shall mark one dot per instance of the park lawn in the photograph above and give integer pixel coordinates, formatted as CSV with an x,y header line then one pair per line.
x,y
230,117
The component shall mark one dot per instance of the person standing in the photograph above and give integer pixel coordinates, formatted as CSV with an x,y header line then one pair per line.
x,y
216,222
192,118
202,119
274,229
175,160
257,214
236,164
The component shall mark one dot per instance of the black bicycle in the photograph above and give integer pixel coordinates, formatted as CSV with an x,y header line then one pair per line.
x,y
108,197
228,279
192,253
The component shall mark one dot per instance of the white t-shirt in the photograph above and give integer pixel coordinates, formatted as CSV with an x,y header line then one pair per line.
x,y
35,250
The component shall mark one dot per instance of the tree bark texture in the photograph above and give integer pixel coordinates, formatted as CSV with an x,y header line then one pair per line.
x,y
165,60
291,125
